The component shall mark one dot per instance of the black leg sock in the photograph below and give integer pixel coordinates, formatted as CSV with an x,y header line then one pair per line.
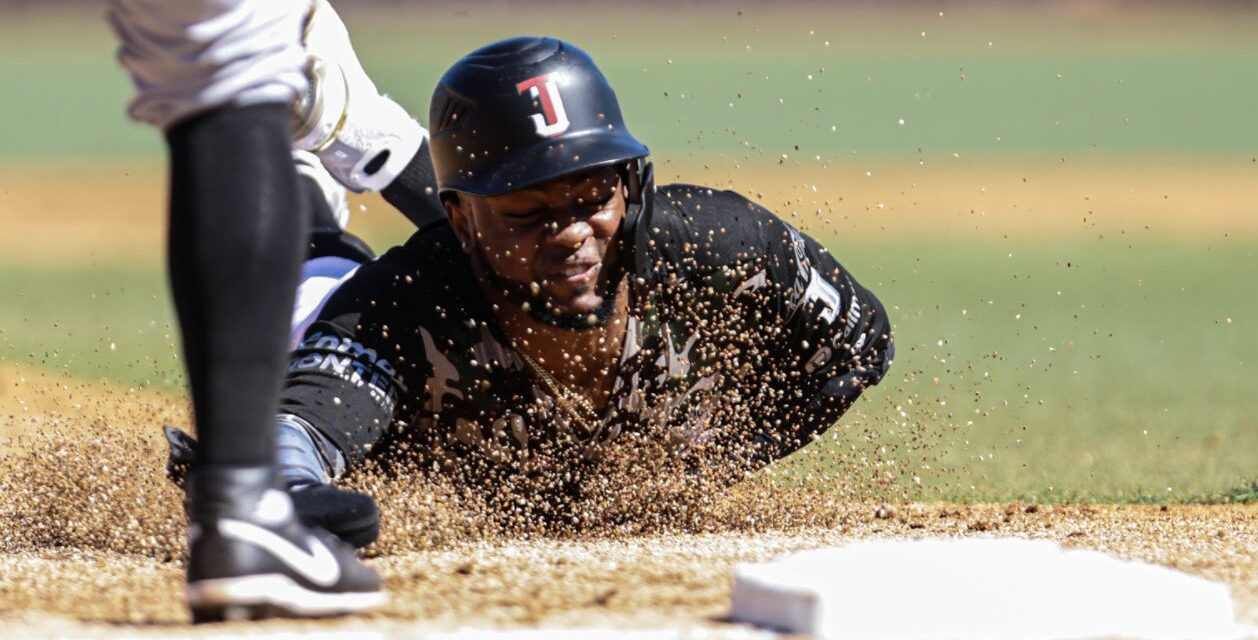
x,y
237,232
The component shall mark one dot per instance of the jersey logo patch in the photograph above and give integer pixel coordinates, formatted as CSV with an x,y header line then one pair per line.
x,y
544,89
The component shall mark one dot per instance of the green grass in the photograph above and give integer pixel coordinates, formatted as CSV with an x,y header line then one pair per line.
x,y
1240,495
1047,84
1094,371
91,322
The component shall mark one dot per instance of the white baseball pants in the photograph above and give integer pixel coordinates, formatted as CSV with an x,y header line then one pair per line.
x,y
188,56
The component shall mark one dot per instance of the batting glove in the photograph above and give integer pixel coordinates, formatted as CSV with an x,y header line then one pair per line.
x,y
363,138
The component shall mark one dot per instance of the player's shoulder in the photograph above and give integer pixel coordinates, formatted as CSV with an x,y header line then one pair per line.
x,y
703,226
702,203
711,214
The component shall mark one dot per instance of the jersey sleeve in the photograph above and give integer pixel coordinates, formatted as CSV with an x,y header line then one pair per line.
x,y
839,341
359,366
832,337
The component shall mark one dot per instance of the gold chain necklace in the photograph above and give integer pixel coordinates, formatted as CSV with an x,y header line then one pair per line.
x,y
570,401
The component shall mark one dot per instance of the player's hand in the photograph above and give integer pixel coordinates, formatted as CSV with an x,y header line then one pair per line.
x,y
335,73
349,515
363,138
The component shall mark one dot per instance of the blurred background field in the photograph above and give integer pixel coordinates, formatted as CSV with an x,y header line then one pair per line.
x,y
1057,201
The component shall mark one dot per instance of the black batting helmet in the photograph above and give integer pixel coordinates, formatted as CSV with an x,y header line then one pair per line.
x,y
522,111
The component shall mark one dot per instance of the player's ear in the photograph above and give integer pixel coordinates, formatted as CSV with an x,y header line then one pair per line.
x,y
459,213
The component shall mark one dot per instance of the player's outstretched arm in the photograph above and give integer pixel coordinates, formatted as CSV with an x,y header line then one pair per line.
x,y
835,338
836,344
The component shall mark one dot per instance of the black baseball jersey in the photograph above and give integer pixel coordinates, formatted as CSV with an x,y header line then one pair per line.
x,y
742,331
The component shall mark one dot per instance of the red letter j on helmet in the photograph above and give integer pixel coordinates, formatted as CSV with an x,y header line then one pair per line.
x,y
553,120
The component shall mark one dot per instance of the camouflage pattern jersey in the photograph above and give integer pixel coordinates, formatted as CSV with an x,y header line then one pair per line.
x,y
746,339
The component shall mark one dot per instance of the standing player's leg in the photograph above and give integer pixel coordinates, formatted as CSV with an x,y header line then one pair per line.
x,y
236,230
216,76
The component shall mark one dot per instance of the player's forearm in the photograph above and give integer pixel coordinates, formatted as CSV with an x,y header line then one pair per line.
x,y
414,191
840,343
342,389
351,419
834,395
820,404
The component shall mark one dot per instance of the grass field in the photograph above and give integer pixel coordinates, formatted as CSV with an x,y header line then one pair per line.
x,y
1063,226
755,81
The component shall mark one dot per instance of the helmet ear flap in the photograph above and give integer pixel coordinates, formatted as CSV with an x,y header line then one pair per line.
x,y
639,178
633,176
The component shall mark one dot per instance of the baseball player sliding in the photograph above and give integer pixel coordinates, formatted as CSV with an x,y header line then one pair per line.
x,y
555,304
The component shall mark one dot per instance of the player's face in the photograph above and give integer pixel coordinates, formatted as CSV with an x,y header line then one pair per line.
x,y
558,238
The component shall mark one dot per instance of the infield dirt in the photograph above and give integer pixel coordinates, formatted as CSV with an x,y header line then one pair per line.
x,y
91,537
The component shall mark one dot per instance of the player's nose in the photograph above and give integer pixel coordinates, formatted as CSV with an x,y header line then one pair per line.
x,y
571,231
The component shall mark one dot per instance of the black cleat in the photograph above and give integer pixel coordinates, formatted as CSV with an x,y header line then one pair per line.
x,y
250,557
349,515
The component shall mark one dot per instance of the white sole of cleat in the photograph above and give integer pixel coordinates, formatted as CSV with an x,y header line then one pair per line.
x,y
272,595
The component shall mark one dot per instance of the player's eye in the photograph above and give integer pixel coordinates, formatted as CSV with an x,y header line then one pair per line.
x,y
524,217
598,200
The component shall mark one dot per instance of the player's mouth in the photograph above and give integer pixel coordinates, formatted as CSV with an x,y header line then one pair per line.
x,y
576,274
